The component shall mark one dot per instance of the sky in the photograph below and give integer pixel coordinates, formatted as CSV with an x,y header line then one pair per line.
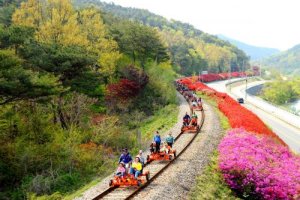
x,y
265,23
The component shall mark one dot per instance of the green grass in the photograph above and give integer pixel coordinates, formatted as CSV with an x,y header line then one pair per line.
x,y
163,120
210,185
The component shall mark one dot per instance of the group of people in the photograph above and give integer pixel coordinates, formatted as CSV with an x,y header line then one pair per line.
x,y
196,101
135,167
187,120
126,163
167,145
181,87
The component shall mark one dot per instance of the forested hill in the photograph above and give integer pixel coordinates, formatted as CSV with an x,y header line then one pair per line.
x,y
287,61
191,50
78,83
254,52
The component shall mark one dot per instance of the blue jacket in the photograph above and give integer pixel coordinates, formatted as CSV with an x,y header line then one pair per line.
x,y
157,138
170,139
126,158
187,117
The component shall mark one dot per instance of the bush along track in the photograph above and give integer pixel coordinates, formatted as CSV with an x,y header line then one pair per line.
x,y
254,162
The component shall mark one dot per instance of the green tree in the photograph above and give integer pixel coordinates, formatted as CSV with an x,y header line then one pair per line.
x,y
15,36
66,62
140,43
17,83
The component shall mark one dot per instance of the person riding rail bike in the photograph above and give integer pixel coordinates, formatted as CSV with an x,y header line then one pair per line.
x,y
186,119
170,140
136,168
157,141
125,158
121,170
194,119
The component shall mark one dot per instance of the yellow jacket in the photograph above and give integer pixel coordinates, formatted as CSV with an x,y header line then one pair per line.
x,y
137,166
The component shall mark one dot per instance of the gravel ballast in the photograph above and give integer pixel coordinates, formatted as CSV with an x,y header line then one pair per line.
x,y
178,179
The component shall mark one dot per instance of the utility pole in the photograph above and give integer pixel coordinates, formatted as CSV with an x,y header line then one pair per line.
x,y
260,70
246,87
229,77
244,68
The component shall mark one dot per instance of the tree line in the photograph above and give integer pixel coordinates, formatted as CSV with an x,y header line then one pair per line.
x,y
191,50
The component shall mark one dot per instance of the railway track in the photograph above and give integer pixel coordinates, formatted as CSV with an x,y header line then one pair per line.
x,y
182,142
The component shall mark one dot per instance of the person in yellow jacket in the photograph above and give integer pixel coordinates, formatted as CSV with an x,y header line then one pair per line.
x,y
136,167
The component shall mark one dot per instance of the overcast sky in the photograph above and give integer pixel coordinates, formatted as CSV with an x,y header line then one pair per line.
x,y
266,23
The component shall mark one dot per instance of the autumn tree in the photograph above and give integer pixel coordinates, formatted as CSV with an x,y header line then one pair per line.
x,y
99,42
56,22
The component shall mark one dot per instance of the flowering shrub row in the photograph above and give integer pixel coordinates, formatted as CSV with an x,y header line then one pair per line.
x,y
221,76
253,163
257,166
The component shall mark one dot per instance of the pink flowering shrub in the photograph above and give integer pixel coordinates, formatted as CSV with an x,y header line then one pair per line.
x,y
256,166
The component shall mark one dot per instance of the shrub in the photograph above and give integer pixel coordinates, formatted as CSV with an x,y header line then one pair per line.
x,y
256,166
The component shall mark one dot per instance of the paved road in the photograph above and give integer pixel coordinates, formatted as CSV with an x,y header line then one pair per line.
x,y
288,132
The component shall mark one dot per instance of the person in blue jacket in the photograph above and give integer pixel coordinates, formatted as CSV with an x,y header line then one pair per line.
x,y
125,158
186,119
157,141
170,140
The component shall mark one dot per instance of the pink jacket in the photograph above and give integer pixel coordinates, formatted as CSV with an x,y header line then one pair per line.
x,y
121,169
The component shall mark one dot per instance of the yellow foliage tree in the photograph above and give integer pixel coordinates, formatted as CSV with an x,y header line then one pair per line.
x,y
99,43
55,21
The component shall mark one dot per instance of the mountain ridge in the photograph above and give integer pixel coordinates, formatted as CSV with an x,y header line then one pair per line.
x,y
287,61
255,52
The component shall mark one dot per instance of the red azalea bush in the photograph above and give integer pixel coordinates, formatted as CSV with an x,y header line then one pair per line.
x,y
256,166
239,116
122,90
221,76
186,81
210,77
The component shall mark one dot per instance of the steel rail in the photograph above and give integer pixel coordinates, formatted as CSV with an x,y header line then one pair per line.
x,y
135,192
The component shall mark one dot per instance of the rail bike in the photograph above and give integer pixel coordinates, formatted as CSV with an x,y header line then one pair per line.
x,y
129,180
162,155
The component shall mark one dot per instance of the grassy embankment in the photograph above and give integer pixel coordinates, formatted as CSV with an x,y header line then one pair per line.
x,y
210,185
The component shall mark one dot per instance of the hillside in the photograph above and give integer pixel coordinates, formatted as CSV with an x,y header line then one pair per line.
x,y
78,83
255,53
287,61
191,50
74,91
